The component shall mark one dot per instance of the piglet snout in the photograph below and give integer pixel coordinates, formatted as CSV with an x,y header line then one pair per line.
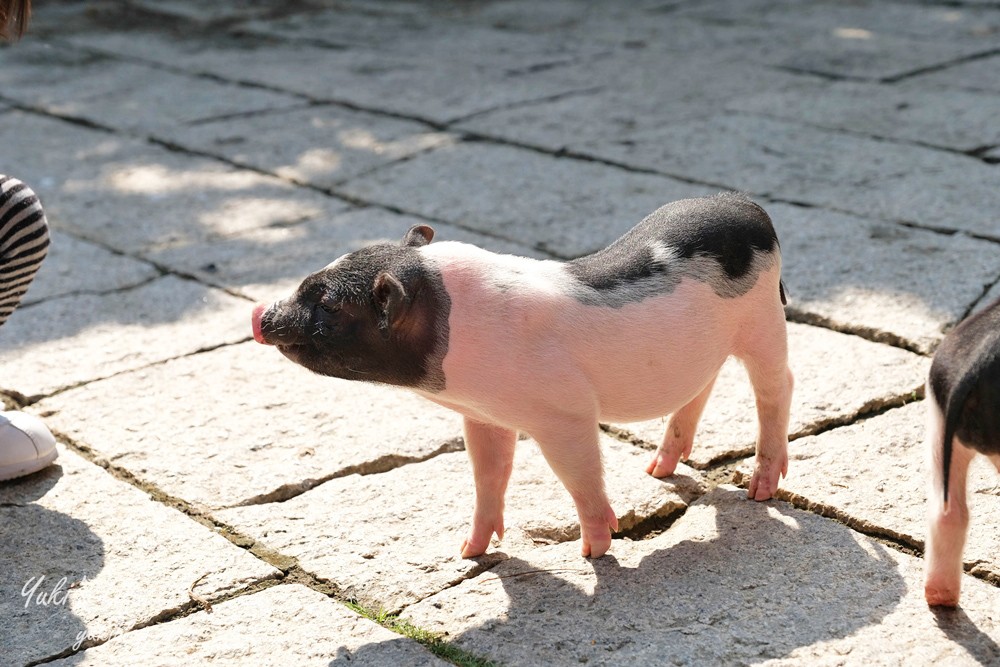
x,y
258,314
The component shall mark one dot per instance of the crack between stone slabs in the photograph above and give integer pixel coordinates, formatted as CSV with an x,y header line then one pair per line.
x,y
26,401
909,224
873,334
526,103
978,300
377,466
941,66
236,115
89,292
872,408
967,153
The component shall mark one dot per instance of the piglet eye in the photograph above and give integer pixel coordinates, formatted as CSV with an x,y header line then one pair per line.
x,y
330,308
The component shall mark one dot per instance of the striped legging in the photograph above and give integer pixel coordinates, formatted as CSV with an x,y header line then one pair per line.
x,y
24,242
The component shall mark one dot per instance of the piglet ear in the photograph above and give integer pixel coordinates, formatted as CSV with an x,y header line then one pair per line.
x,y
390,297
419,235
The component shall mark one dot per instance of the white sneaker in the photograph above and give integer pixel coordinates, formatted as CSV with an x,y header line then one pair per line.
x,y
26,445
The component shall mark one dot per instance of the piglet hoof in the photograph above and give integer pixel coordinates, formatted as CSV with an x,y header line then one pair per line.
x,y
479,537
941,596
663,464
766,474
596,534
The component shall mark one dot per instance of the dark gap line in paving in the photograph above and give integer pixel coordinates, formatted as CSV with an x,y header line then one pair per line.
x,y
975,154
26,401
521,104
980,300
237,115
382,464
982,55
875,335
711,468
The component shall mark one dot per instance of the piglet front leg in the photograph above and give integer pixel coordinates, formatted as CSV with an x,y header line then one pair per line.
x,y
491,450
573,452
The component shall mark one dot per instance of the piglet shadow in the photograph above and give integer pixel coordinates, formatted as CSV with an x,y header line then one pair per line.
x,y
731,582
962,630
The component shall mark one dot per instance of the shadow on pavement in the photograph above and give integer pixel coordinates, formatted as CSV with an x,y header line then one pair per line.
x,y
45,555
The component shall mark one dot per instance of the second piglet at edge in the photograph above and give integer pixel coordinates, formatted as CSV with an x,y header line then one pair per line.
x,y
635,331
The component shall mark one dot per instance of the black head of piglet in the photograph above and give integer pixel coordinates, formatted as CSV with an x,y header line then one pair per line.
x,y
379,314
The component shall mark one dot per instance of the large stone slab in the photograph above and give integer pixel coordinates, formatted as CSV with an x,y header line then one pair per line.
x,y
785,160
321,145
389,540
124,95
86,556
134,196
243,424
872,476
74,266
732,582
62,342
953,119
568,207
282,625
839,376
878,278
269,263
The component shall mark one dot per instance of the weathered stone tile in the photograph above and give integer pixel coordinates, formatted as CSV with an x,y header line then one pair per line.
x,y
124,95
953,119
732,582
391,539
244,424
86,556
872,476
269,263
839,376
65,341
790,161
878,278
321,145
565,206
282,625
133,196
74,266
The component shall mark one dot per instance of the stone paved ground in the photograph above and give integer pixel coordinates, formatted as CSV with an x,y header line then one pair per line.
x,y
213,503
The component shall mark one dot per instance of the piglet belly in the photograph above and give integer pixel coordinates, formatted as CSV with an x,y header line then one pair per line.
x,y
650,358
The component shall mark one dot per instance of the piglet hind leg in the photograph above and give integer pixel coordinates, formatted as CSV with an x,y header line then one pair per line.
x,y
766,361
677,442
947,526
572,449
491,451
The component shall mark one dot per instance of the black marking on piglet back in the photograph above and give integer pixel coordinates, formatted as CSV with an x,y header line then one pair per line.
x,y
965,381
725,240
